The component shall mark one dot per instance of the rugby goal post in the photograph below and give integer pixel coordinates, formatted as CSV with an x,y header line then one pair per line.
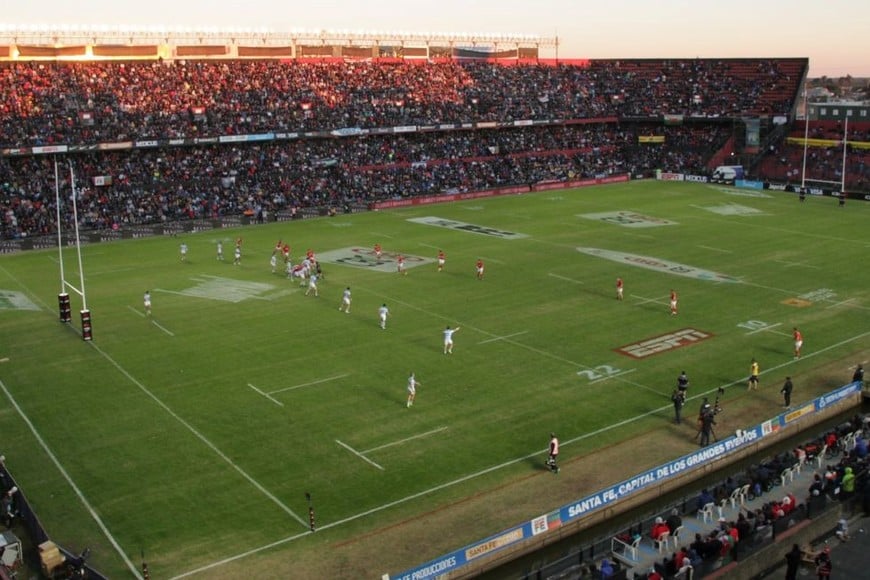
x,y
63,298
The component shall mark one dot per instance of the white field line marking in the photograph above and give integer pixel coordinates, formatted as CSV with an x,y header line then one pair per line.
x,y
380,235
115,271
5,359
276,401
659,300
636,235
768,327
199,436
493,468
564,278
71,483
163,328
309,384
405,440
53,259
502,337
619,374
801,264
358,454
429,246
172,291
841,303
134,311
493,260
720,250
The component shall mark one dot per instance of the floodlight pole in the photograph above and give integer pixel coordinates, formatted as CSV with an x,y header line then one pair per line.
x,y
806,136
843,169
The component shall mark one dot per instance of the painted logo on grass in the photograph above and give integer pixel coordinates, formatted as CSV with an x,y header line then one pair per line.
x,y
731,209
225,289
664,343
11,300
465,227
659,265
360,257
628,219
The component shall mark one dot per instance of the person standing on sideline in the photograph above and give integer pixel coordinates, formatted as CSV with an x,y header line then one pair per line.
x,y
413,383
679,398
619,288
683,383
753,376
707,422
383,312
448,339
553,455
220,251
441,260
792,562
183,252
786,392
798,342
479,269
345,301
673,302
147,302
858,377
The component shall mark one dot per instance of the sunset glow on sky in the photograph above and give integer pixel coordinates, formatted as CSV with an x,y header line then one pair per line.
x,y
833,34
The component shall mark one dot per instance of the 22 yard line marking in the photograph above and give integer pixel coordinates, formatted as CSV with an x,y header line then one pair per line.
x,y
358,454
309,384
405,440
488,470
276,401
502,337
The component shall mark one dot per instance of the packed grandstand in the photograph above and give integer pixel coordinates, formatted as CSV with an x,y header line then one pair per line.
x,y
156,141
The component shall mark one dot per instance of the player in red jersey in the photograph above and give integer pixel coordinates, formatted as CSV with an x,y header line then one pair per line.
x,y
479,269
619,288
239,242
553,454
400,265
441,260
798,342
278,248
286,251
673,302
378,252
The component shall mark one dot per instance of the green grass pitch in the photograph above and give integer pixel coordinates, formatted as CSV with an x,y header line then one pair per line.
x,y
194,434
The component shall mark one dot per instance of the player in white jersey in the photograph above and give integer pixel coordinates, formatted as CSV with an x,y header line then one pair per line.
x,y
345,301
183,252
273,261
413,383
220,251
288,268
383,312
147,302
448,339
237,256
312,285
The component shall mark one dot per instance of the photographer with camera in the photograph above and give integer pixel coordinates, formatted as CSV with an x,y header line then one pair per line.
x,y
707,420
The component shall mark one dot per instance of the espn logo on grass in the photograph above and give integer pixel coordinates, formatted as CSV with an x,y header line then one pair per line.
x,y
663,343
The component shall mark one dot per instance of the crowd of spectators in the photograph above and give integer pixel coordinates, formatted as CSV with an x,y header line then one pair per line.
x,y
43,103
141,186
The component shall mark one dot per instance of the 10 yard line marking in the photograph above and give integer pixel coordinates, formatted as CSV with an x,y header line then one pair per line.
x,y
565,278
274,400
134,311
309,384
405,440
358,454
716,249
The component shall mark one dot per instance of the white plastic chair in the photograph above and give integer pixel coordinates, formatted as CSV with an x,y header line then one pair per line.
x,y
820,458
735,498
786,476
744,493
663,542
706,512
677,537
